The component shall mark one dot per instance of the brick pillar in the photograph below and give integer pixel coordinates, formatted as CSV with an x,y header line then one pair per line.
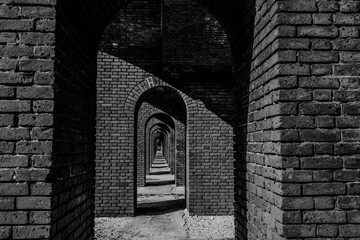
x,y
305,135
26,118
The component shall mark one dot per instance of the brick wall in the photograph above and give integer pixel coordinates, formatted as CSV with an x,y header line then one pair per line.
x,y
26,118
321,185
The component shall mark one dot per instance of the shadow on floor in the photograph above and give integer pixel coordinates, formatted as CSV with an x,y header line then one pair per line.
x,y
159,208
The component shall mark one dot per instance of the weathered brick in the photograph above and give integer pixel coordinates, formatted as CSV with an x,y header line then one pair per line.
x,y
15,78
8,64
289,122
323,148
14,218
7,203
31,147
7,92
15,51
40,161
36,65
346,149
327,230
322,176
320,136
16,24
347,122
5,232
351,109
346,175
42,78
320,108
347,70
14,189
354,188
296,149
37,38
319,82
349,230
14,133
318,31
36,120
348,202
322,19
31,175
351,162
33,203
324,189
349,6
295,203
296,176
6,147
40,217
347,19
328,5
350,83
318,56
41,189
11,161
41,106
324,217
350,57
35,92
324,203
14,106
36,2
293,18
349,32
45,25
298,6
346,44
321,162
38,12
321,44
32,232
325,122
39,133
297,231
44,51
7,37
293,43
9,12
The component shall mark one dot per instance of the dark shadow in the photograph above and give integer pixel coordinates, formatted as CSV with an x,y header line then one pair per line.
x,y
159,208
159,173
157,183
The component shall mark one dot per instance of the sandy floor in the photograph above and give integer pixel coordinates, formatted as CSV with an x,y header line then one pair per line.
x,y
161,215
170,226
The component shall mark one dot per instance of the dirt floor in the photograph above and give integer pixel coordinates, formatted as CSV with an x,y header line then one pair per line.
x,y
169,226
161,214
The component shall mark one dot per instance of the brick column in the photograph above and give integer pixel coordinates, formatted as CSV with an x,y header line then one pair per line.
x,y
26,118
306,130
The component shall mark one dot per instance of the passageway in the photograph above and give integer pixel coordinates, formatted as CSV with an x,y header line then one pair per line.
x,y
161,213
160,194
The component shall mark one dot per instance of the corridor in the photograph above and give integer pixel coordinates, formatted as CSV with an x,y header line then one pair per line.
x,y
161,213
160,193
